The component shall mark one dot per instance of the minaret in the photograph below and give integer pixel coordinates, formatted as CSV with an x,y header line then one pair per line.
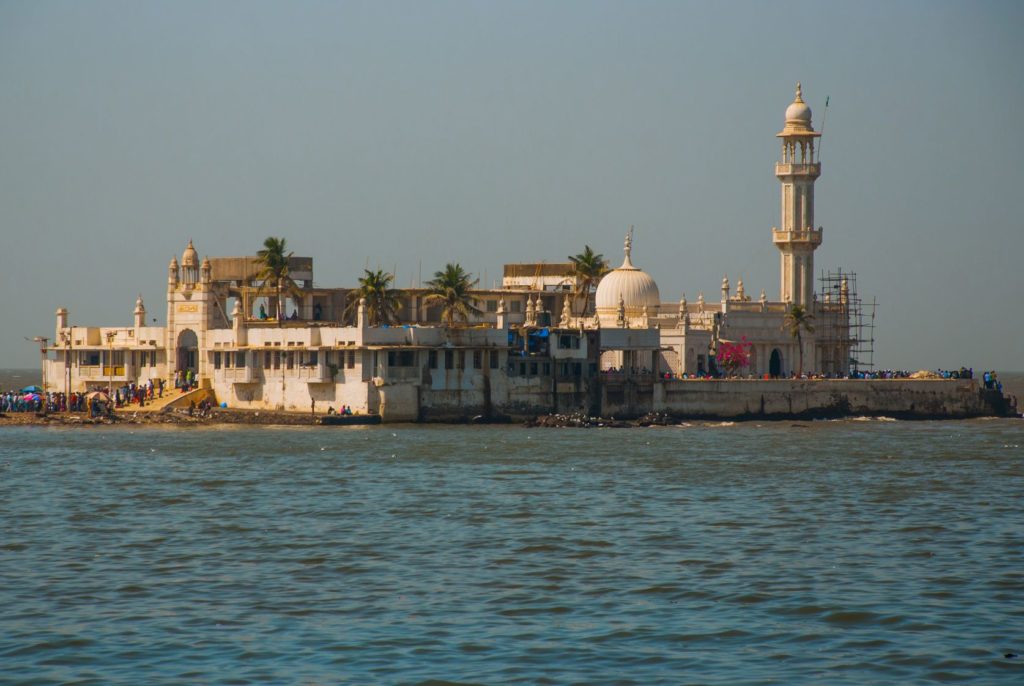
x,y
796,237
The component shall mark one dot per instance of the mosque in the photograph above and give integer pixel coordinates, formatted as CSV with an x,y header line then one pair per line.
x,y
530,349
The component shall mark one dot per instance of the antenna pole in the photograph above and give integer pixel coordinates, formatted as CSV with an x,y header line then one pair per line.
x,y
821,139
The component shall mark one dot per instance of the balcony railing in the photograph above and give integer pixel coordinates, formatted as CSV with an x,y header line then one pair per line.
x,y
237,374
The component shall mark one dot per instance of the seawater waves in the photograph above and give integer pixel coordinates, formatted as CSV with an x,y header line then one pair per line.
x,y
846,552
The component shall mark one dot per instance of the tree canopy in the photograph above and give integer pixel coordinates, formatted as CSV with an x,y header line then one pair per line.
x,y
452,289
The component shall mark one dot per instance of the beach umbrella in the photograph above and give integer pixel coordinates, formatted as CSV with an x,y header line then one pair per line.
x,y
31,389
98,395
31,397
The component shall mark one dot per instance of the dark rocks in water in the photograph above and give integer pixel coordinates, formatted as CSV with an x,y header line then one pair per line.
x,y
657,419
1011,656
579,420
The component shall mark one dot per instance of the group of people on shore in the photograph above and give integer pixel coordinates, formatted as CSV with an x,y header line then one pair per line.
x,y
991,381
343,410
185,380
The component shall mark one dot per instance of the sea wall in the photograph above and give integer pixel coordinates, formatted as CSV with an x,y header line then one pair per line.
x,y
782,398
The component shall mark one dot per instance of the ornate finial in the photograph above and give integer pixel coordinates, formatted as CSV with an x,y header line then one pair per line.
x,y
799,93
764,298
628,248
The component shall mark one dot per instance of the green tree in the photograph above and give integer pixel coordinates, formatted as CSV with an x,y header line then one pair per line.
x,y
452,288
798,320
274,271
382,301
587,269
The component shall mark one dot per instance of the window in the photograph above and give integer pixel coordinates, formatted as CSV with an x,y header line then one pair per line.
x,y
240,359
494,359
449,359
478,359
568,342
266,359
90,358
432,359
522,369
313,358
152,358
401,358
547,369
289,360
533,369
516,306
461,359
216,360
351,359
492,305
577,369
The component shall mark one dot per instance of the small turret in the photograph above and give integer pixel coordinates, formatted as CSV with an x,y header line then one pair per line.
x,y
238,325
566,318
62,318
172,273
140,313
361,320
205,270
502,316
190,264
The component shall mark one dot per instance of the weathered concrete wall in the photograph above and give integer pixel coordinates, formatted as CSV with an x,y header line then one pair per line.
x,y
737,398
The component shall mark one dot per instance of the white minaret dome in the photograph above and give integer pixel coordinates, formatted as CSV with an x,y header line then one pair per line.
x,y
798,112
632,286
190,258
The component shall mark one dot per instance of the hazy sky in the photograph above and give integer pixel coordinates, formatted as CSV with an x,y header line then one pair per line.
x,y
406,135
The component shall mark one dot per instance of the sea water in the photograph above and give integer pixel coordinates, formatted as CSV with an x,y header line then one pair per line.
x,y
839,552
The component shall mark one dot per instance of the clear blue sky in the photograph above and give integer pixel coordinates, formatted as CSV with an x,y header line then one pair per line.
x,y
407,135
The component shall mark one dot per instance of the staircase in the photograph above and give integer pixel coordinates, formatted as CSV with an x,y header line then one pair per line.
x,y
175,399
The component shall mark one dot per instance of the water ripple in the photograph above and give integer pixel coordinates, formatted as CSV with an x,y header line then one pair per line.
x,y
846,552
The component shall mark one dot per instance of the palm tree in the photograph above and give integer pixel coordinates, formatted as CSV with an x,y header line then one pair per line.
x,y
382,301
274,272
798,320
587,269
452,289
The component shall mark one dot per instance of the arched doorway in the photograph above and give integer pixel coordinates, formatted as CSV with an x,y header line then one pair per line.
x,y
187,351
775,364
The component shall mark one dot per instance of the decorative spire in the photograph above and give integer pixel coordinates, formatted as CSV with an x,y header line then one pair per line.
x,y
628,249
799,93
763,298
566,312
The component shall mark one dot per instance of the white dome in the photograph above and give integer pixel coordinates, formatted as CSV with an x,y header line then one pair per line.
x,y
634,287
798,113
798,116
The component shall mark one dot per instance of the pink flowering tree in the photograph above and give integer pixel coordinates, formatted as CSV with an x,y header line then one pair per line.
x,y
733,356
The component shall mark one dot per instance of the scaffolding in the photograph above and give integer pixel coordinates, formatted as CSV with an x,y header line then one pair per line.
x,y
845,324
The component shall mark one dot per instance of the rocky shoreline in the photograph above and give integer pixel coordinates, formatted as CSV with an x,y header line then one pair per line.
x,y
170,416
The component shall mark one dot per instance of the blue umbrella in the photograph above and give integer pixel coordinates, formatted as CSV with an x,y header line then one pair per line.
x,y
31,389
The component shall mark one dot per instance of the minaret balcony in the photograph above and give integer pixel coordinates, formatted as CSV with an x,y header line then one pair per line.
x,y
789,169
807,236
